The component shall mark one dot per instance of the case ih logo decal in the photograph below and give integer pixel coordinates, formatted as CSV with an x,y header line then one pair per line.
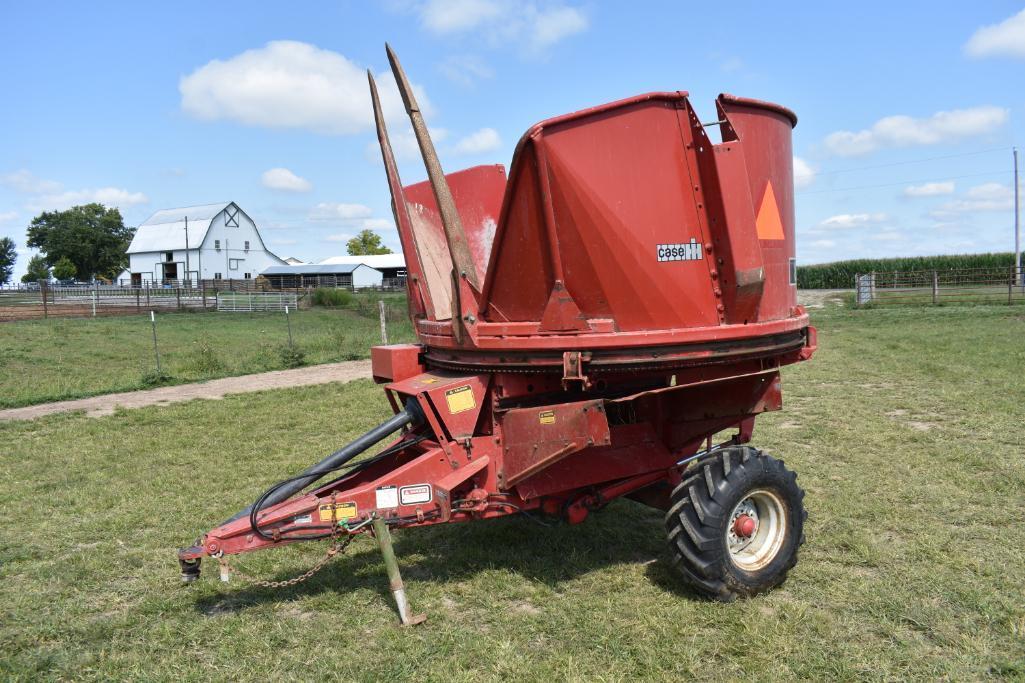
x,y
689,251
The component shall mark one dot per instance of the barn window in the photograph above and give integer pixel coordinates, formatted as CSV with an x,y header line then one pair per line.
x,y
247,245
217,276
231,217
233,264
217,245
168,256
247,275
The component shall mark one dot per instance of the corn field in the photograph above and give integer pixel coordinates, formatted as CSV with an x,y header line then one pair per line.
x,y
841,274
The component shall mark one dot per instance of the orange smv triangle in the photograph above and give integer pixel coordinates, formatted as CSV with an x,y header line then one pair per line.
x,y
768,224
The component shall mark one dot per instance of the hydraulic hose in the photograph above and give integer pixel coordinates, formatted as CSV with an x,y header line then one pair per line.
x,y
411,415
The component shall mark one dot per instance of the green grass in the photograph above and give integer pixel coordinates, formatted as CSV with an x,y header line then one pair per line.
x,y
56,359
906,430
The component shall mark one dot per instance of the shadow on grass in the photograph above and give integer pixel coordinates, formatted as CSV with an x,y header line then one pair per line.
x,y
624,533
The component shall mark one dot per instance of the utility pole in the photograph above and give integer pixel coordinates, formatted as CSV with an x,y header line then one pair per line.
x,y
187,276
1017,224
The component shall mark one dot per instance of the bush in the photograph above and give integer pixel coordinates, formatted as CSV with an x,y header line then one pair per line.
x,y
154,379
841,274
334,298
292,356
204,359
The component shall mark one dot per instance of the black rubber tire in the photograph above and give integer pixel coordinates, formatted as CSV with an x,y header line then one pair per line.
x,y
698,518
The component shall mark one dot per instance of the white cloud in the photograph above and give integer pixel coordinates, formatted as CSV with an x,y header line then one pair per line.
x,y
290,84
731,64
852,220
284,180
930,189
981,198
338,237
8,216
804,174
484,140
465,69
26,182
377,224
533,25
823,244
403,143
334,211
1006,39
108,196
284,243
906,131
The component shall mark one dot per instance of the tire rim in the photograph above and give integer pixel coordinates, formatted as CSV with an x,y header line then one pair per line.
x,y
752,546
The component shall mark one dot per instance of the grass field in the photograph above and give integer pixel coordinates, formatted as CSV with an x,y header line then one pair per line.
x,y
906,430
56,359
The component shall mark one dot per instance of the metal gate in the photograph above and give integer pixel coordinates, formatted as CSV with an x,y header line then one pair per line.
x,y
248,302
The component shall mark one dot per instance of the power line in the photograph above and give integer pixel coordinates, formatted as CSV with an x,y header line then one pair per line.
x,y
901,163
906,182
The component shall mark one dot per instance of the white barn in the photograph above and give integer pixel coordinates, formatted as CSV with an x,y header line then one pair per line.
x,y
210,242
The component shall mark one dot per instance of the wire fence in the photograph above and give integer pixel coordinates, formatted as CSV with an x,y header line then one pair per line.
x,y
938,287
46,299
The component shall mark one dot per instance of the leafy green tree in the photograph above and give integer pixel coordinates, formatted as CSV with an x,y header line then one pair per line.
x,y
37,270
92,237
367,242
64,269
8,255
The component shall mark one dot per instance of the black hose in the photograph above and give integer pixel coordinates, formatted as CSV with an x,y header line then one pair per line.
x,y
272,493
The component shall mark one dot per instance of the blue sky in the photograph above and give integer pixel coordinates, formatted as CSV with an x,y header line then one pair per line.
x,y
908,111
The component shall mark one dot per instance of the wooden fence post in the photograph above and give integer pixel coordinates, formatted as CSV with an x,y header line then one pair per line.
x,y
43,286
384,323
178,294
935,288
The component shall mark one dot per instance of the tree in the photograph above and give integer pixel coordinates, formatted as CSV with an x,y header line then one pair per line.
x,y
37,270
367,242
64,269
92,237
8,255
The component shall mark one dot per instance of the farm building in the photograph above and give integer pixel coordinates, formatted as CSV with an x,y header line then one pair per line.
x,y
347,275
210,242
392,266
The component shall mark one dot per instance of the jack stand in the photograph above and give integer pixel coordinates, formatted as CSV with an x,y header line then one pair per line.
x,y
394,577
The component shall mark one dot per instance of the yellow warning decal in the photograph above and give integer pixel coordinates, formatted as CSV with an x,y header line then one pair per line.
x,y
338,512
768,224
546,417
429,380
460,399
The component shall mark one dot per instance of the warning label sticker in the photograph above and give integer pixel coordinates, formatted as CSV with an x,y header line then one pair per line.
x,y
387,497
415,494
337,512
546,417
460,399
688,251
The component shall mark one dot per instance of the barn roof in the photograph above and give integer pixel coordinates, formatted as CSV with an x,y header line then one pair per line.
x,y
314,269
373,260
165,230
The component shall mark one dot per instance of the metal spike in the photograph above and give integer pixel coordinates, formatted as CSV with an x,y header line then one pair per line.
x,y
454,233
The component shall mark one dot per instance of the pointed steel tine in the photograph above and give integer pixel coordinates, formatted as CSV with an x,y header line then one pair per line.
x,y
458,246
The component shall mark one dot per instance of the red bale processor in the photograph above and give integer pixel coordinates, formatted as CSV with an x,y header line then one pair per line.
x,y
586,327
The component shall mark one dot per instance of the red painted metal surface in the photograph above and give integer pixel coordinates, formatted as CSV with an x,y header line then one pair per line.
x,y
635,299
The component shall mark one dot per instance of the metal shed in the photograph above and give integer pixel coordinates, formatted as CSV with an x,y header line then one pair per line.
x,y
346,275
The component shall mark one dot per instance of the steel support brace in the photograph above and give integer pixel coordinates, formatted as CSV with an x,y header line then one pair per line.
x,y
394,577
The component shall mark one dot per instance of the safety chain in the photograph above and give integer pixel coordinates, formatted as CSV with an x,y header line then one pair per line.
x,y
336,548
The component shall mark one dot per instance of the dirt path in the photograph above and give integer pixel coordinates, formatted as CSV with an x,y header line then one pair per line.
x,y
97,406
819,298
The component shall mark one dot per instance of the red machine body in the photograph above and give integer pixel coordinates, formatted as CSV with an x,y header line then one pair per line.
x,y
585,327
